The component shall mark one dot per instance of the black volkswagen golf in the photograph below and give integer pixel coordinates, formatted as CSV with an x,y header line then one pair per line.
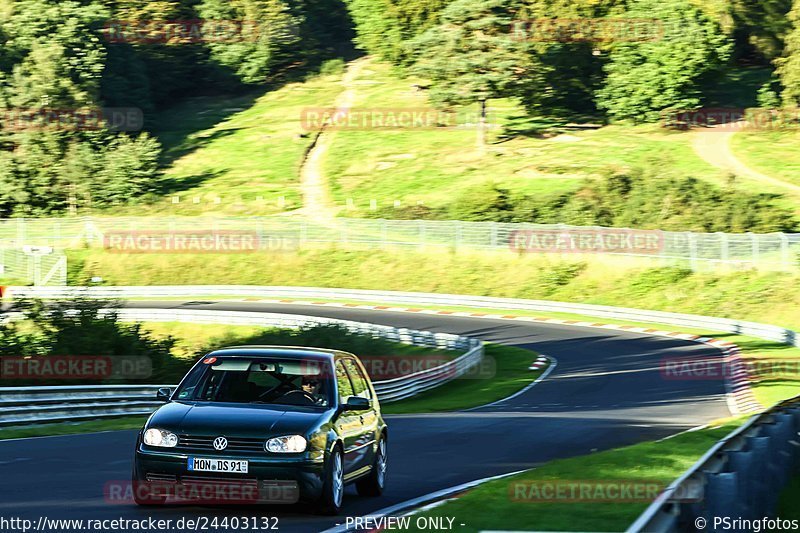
x,y
264,424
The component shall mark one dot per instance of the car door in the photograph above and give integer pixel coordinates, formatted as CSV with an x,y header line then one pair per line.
x,y
368,419
348,422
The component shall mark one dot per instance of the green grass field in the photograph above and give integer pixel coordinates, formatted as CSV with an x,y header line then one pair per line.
x,y
775,153
500,506
241,155
72,428
430,165
235,155
771,297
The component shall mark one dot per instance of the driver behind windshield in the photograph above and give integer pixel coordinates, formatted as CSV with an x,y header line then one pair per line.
x,y
265,382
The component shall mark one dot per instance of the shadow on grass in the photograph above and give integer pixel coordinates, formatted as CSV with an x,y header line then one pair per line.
x,y
543,127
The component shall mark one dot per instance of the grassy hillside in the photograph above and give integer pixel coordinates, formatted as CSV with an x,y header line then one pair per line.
x,y
775,153
431,165
235,156
241,155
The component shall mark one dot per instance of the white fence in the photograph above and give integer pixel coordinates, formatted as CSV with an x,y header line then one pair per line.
x,y
775,251
32,266
22,405
730,325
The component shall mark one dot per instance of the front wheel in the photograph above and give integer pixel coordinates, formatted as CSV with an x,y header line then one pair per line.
x,y
374,483
333,488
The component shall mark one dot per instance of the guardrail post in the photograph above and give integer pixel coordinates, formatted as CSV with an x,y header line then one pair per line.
x,y
722,494
761,452
742,462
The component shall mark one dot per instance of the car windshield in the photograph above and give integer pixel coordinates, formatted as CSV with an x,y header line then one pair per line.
x,y
289,381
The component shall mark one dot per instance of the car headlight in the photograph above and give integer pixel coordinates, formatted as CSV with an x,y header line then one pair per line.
x,y
288,444
161,438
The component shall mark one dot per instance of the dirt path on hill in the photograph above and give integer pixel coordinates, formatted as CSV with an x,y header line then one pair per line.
x,y
314,186
713,145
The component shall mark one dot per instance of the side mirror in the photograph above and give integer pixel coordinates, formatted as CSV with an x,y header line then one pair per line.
x,y
163,394
356,403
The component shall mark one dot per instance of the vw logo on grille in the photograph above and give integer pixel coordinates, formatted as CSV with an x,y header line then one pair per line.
x,y
220,443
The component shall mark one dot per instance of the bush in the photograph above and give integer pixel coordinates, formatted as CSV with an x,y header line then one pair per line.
x,y
636,199
84,327
656,278
332,67
331,336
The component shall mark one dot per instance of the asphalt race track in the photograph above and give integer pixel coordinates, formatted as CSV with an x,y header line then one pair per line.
x,y
606,391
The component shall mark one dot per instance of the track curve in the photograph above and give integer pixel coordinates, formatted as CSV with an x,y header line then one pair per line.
x,y
606,391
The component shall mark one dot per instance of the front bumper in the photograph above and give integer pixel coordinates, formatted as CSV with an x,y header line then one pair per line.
x,y
274,480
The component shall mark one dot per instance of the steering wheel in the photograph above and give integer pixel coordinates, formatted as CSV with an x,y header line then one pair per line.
x,y
275,390
296,395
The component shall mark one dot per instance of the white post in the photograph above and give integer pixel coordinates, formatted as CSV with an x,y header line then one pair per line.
x,y
785,257
724,251
756,251
692,251
20,232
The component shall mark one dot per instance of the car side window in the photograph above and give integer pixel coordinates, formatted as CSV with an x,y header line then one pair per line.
x,y
360,386
343,382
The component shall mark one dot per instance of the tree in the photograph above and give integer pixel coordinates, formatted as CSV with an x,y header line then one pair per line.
x,y
645,78
384,26
473,57
269,38
789,65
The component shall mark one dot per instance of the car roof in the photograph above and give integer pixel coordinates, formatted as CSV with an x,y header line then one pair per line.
x,y
283,351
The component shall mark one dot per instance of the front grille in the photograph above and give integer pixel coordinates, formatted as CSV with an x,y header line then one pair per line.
x,y
202,480
206,444
162,478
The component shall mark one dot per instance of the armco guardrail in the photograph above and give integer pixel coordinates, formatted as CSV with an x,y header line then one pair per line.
x,y
21,405
740,477
25,405
774,250
754,329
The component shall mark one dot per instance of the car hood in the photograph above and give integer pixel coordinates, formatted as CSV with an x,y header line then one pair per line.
x,y
234,420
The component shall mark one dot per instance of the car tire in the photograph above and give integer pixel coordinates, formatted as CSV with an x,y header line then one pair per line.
x,y
375,482
330,502
142,490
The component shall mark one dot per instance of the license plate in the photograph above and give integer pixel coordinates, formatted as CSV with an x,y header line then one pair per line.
x,y
202,464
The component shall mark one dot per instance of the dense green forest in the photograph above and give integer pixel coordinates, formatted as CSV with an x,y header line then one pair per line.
x,y
57,56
